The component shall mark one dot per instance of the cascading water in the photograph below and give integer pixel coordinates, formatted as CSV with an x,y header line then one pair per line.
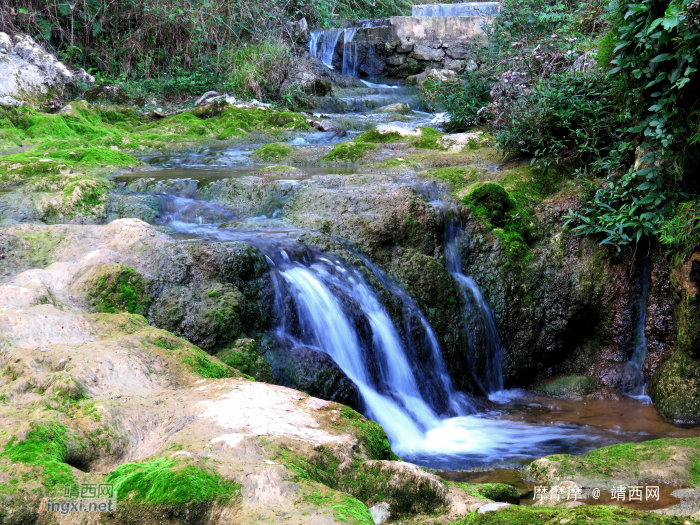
x,y
634,380
323,43
349,52
484,343
326,304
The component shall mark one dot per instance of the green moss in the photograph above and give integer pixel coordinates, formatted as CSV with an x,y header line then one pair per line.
x,y
273,151
577,385
428,139
491,202
458,176
347,509
598,515
348,151
170,481
372,436
44,446
118,289
207,367
510,220
373,136
245,358
670,459
499,492
91,137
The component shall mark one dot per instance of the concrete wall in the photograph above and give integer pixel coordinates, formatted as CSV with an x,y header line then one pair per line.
x,y
422,29
488,9
408,45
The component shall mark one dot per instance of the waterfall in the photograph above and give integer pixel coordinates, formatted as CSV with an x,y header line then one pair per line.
x,y
485,349
339,314
326,40
634,380
349,52
326,304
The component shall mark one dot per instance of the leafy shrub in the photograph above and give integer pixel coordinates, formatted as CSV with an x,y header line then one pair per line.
x,y
567,116
461,98
657,45
682,230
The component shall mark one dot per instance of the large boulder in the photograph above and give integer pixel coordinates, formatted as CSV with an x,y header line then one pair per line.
x,y
27,69
313,372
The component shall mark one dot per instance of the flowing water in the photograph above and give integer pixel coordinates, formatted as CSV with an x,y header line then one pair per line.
x,y
635,382
370,326
479,324
389,349
323,43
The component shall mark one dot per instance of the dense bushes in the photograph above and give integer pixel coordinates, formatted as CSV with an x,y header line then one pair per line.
x,y
462,99
178,47
564,117
610,89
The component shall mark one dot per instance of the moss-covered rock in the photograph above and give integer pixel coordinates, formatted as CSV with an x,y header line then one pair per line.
x,y
275,151
116,288
669,460
570,386
675,387
244,356
214,293
348,151
499,492
527,515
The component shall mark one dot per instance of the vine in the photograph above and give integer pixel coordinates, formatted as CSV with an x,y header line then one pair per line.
x,y
656,52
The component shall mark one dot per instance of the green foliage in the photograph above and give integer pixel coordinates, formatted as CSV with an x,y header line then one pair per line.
x,y
119,289
681,231
170,481
326,13
461,98
564,117
257,69
170,48
656,55
44,446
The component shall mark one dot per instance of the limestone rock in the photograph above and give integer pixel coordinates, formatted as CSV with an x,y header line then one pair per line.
x,y
421,52
492,507
459,141
380,513
300,31
313,372
8,101
433,74
26,68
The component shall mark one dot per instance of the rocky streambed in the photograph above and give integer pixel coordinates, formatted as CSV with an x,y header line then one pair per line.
x,y
175,312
